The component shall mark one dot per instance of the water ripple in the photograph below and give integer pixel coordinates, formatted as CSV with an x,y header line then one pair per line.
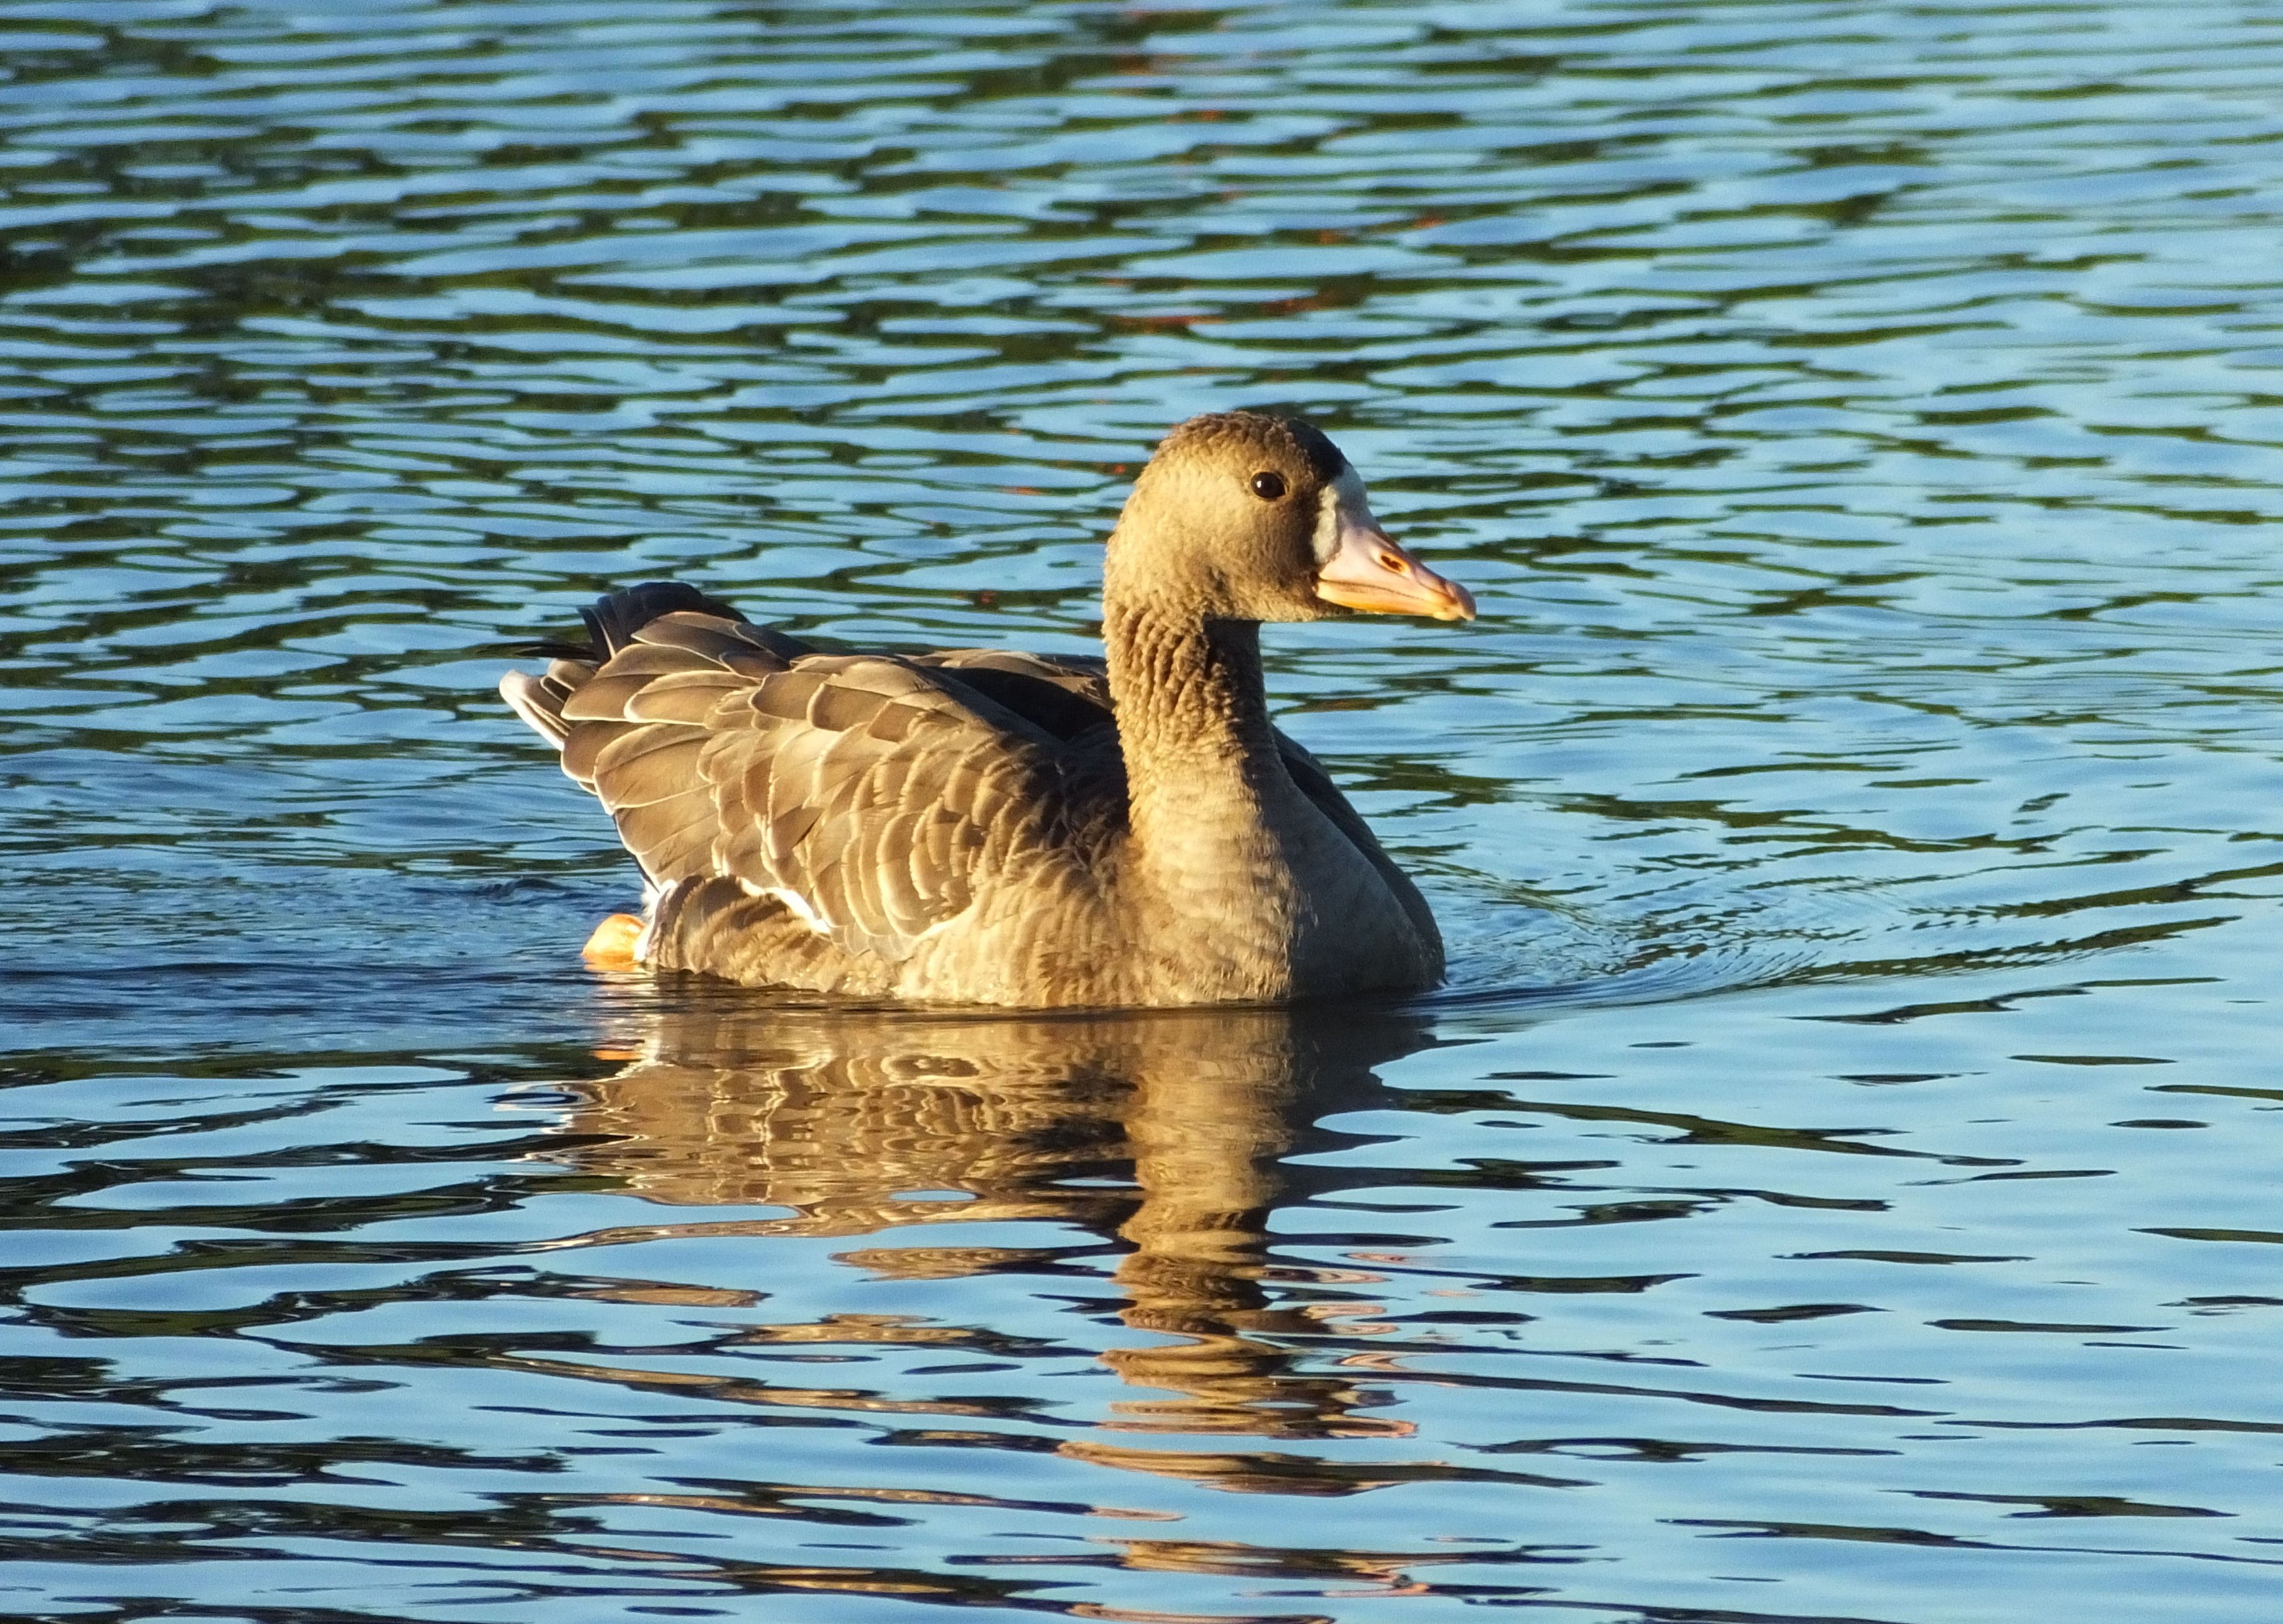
x,y
1858,425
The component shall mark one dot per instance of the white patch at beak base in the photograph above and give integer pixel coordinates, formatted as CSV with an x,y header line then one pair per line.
x,y
1341,506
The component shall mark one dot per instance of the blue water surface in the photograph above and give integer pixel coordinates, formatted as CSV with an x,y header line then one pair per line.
x,y
1839,1182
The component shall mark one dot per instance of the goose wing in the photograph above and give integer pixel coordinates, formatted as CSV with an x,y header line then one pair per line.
x,y
868,793
1316,783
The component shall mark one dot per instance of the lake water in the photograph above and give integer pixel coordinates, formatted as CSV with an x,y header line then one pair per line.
x,y
1840,1180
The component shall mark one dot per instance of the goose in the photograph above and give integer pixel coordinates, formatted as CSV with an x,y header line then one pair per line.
x,y
978,826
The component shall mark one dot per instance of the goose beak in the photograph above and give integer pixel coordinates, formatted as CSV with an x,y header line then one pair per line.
x,y
1367,571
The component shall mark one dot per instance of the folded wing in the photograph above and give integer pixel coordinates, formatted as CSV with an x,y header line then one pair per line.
x,y
868,793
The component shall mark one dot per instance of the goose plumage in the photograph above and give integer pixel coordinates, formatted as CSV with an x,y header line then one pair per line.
x,y
984,826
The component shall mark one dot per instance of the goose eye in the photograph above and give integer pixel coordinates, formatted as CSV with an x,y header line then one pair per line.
x,y
1268,487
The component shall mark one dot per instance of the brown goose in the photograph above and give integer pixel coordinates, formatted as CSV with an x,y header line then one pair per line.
x,y
978,826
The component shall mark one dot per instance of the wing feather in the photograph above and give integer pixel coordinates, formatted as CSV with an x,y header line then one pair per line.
x,y
605,699
669,838
684,696
584,743
651,763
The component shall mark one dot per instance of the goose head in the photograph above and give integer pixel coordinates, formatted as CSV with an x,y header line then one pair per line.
x,y
1242,516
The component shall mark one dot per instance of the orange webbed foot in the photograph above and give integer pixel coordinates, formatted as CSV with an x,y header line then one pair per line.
x,y
611,946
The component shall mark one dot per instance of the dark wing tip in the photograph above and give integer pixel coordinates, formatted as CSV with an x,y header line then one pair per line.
x,y
551,648
617,616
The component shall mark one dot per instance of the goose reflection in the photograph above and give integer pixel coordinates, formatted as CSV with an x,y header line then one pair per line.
x,y
1169,1131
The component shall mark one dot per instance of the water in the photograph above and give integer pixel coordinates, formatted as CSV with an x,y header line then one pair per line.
x,y
1839,1182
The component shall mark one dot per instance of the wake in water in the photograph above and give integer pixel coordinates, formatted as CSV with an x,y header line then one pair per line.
x,y
1510,946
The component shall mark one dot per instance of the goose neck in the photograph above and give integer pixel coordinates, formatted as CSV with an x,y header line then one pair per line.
x,y
1192,709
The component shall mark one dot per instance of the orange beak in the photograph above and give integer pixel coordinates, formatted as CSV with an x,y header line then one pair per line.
x,y
1369,572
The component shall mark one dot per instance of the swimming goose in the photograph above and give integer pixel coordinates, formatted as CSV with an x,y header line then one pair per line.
x,y
980,826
